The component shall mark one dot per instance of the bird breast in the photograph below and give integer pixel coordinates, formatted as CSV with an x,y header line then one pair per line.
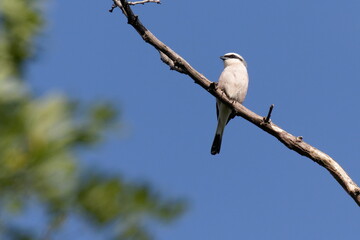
x,y
234,82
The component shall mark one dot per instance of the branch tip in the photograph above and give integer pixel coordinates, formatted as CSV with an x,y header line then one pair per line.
x,y
112,8
144,1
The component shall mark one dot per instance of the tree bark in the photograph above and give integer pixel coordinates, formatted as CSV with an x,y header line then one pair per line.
x,y
176,62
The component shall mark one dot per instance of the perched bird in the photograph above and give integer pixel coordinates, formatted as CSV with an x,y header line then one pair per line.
x,y
234,82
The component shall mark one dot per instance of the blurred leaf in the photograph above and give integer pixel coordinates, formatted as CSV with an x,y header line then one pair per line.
x,y
39,139
103,114
106,200
20,21
134,232
100,200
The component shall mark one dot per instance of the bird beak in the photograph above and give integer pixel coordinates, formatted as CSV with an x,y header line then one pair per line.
x,y
222,58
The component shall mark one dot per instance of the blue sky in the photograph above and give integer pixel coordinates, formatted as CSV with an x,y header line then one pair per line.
x,y
303,56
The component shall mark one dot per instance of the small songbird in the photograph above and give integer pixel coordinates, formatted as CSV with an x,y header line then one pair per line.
x,y
234,82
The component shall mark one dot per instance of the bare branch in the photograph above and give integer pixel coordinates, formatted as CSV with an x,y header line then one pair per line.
x,y
176,62
118,4
145,1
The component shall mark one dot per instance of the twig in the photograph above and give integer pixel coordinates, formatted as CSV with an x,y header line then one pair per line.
x,y
267,119
112,8
145,1
170,63
286,138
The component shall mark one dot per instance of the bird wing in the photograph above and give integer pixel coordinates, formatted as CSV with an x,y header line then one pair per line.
x,y
232,115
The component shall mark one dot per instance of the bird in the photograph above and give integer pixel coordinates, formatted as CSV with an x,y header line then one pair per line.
x,y
233,81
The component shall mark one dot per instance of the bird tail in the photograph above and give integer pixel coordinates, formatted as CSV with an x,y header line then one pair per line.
x,y
215,148
224,113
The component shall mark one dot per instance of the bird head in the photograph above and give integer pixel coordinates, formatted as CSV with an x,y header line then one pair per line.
x,y
233,58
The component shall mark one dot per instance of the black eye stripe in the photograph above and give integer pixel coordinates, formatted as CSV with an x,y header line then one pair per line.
x,y
234,56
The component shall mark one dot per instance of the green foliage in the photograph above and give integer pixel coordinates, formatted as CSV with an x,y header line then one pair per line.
x,y
19,23
39,137
104,199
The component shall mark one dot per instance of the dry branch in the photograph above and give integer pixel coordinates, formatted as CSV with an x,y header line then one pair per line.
x,y
176,62
143,2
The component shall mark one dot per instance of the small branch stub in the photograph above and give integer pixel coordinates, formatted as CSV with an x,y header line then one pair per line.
x,y
267,119
170,63
212,87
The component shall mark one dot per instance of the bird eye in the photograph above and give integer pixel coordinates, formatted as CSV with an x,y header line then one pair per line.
x,y
234,56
